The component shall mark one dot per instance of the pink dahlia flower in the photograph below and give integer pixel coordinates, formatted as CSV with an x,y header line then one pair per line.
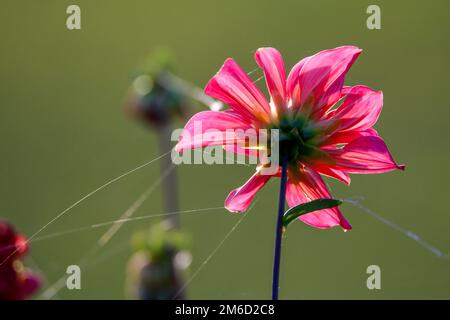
x,y
325,127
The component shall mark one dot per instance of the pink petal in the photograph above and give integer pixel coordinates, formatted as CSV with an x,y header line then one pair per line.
x,y
238,149
320,78
239,199
193,135
233,86
342,137
331,172
295,194
271,62
365,155
360,109
293,88
311,186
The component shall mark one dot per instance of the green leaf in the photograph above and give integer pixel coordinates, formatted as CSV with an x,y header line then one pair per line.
x,y
319,204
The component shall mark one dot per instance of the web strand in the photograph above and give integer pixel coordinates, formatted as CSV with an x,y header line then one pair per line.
x,y
59,284
211,255
356,201
88,195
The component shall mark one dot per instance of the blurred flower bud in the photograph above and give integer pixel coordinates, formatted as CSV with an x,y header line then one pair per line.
x,y
16,281
156,269
154,96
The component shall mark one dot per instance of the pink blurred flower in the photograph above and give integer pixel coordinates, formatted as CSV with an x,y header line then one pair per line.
x,y
326,127
16,282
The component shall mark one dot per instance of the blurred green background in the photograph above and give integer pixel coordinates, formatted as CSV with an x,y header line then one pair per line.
x,y
64,133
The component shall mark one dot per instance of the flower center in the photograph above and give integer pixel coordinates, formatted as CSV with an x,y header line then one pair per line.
x,y
297,138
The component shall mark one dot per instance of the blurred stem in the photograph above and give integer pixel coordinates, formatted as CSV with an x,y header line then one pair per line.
x,y
169,80
279,230
170,183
